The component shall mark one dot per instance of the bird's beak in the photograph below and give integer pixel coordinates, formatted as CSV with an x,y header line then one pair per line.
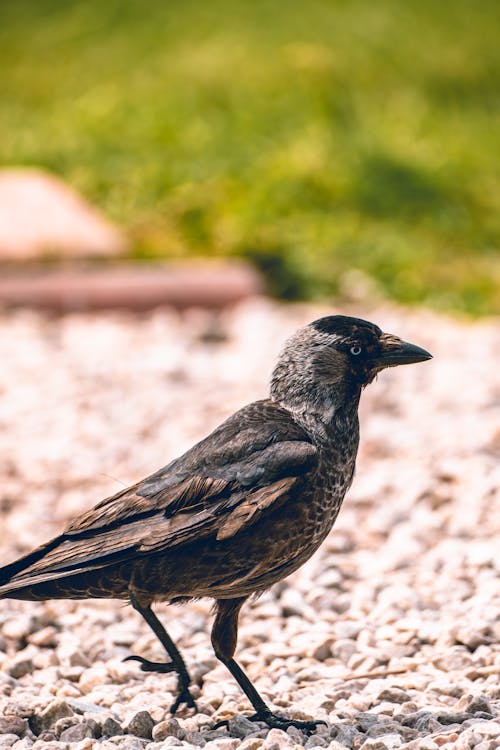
x,y
395,351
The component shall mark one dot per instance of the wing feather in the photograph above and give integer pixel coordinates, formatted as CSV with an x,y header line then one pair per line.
x,y
218,488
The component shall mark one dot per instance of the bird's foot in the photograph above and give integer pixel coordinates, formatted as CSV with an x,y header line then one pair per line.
x,y
152,666
281,722
184,697
277,722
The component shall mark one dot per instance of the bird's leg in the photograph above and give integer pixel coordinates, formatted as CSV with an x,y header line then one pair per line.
x,y
175,665
224,636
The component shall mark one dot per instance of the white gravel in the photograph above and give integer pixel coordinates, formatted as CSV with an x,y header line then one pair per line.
x,y
390,633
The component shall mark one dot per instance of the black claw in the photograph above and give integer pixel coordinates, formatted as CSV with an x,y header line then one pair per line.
x,y
281,722
223,723
152,666
183,697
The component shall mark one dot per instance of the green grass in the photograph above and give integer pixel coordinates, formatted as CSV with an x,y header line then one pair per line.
x,y
315,138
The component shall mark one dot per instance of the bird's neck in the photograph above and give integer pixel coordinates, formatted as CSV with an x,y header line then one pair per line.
x,y
326,412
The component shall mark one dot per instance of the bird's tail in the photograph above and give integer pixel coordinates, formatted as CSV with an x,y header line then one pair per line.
x,y
29,579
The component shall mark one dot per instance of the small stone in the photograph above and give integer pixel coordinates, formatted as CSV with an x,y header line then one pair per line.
x,y
365,720
132,743
427,723
94,725
111,728
195,738
76,658
393,695
277,738
85,707
453,660
18,628
384,742
346,734
47,737
295,734
7,739
444,740
240,726
141,725
24,744
422,743
7,684
474,703
252,743
168,728
452,718
292,603
344,649
487,728
92,678
228,743
54,711
316,741
215,734
10,724
76,732
51,745
64,723
389,727
86,744
19,666
44,638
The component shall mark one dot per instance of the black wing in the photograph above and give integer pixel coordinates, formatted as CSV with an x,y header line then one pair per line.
x,y
220,486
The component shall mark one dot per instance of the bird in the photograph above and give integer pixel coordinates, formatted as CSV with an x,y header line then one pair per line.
x,y
239,511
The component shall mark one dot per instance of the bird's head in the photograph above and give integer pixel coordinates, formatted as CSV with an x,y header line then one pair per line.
x,y
328,362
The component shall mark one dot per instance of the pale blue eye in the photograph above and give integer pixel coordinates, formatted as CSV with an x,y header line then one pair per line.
x,y
355,350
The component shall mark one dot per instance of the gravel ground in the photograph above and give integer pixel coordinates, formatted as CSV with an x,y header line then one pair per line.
x,y
389,633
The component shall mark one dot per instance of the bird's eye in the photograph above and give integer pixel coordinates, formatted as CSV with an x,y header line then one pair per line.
x,y
356,349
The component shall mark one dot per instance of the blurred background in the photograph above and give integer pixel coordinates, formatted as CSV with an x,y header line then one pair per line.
x,y
344,148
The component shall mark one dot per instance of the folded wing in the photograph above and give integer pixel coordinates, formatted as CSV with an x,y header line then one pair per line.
x,y
219,487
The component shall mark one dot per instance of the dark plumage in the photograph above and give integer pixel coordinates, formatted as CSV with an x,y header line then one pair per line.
x,y
236,513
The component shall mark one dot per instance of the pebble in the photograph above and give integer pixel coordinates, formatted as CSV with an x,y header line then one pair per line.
x,y
487,729
92,678
346,734
223,744
141,725
77,732
168,728
240,726
473,703
24,744
384,742
19,628
278,738
44,638
7,739
48,717
11,724
393,695
131,743
252,743
111,728
18,666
